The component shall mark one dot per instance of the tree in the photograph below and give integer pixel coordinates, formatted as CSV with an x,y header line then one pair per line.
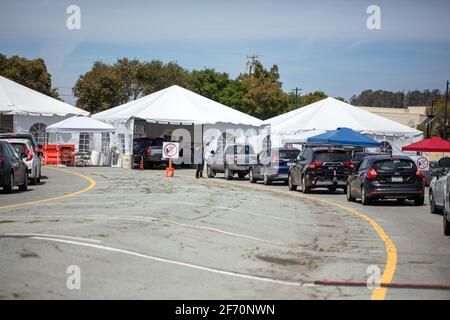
x,y
155,75
98,89
263,97
218,87
30,73
388,99
126,71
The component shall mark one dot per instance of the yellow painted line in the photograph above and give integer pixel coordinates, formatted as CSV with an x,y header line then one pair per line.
x,y
92,184
391,250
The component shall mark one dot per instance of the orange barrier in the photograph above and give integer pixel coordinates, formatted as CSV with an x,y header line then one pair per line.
x,y
59,154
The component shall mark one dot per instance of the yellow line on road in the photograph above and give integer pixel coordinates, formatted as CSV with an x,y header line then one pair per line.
x,y
92,184
391,250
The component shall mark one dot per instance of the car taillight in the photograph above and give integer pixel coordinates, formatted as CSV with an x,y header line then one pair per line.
x,y
148,152
349,165
29,153
316,164
420,175
372,174
235,159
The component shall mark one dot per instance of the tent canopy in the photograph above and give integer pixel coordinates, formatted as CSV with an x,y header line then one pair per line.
x,y
433,144
177,105
330,113
18,99
80,124
344,137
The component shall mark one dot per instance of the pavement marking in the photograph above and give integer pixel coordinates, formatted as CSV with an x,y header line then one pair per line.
x,y
50,236
92,184
391,250
175,262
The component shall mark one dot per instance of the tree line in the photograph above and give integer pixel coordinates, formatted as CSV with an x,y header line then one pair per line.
x,y
388,99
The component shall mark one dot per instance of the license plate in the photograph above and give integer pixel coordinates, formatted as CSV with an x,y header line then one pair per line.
x,y
397,179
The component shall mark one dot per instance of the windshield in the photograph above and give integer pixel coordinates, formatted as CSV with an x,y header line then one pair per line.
x,y
331,155
392,165
288,154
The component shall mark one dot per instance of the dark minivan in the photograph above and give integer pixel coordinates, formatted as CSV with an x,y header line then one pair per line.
x,y
273,165
386,177
13,171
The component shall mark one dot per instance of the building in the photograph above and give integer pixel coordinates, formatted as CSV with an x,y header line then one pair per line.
x,y
411,116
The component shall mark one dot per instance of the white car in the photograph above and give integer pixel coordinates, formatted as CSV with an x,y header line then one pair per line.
x,y
30,157
439,193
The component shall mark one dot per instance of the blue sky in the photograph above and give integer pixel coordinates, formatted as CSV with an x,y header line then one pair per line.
x,y
317,45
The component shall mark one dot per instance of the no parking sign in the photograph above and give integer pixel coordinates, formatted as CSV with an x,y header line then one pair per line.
x,y
422,163
170,150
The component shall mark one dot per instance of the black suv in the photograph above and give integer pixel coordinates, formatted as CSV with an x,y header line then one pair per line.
x,y
320,168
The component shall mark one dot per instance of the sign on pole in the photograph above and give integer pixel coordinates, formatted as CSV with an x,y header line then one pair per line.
x,y
170,150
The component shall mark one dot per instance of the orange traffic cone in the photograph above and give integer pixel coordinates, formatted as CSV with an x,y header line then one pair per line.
x,y
141,163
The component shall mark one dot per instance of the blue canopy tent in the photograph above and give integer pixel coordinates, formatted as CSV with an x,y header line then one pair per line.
x,y
343,137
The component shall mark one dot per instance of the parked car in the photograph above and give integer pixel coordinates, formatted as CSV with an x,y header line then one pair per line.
x,y
231,159
25,136
433,166
319,167
31,157
13,171
439,193
386,177
150,150
273,165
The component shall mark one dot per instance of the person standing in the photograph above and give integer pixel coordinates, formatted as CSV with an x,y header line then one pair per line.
x,y
199,161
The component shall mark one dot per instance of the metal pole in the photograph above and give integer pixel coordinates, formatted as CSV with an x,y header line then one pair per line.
x,y
446,111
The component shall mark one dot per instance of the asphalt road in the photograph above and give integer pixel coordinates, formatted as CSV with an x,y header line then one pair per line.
x,y
139,235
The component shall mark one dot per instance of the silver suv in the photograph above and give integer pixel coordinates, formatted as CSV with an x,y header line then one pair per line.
x,y
231,159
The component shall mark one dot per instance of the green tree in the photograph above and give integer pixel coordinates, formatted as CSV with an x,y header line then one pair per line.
x,y
126,71
30,73
218,87
155,75
263,97
98,89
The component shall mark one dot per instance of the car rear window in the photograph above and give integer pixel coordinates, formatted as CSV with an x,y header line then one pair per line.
x,y
395,164
152,143
288,154
20,147
331,155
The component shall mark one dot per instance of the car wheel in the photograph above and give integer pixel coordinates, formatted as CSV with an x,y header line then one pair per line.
x,y
350,198
364,200
266,179
24,186
305,188
446,224
419,201
291,185
9,187
210,172
433,208
251,176
228,174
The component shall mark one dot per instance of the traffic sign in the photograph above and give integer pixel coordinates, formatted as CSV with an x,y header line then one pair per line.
x,y
170,150
422,163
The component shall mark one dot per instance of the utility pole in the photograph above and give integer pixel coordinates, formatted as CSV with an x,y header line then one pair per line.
x,y
251,61
446,111
296,90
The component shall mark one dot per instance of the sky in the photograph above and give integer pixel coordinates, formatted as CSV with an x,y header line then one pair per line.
x,y
317,45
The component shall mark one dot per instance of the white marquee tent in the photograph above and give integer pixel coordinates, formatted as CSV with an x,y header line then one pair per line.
x,y
80,124
330,114
174,107
23,109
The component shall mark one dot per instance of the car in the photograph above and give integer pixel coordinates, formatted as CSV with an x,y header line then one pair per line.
x,y
428,174
439,193
272,165
386,177
31,157
231,159
13,171
149,150
320,167
26,136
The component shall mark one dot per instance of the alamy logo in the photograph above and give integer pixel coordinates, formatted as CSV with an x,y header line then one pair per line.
x,y
74,279
373,281
73,21
374,20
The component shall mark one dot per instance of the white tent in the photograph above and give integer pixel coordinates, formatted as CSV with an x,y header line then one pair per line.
x,y
80,124
16,99
330,114
176,107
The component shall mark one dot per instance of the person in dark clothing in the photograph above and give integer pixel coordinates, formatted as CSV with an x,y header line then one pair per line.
x,y
199,161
